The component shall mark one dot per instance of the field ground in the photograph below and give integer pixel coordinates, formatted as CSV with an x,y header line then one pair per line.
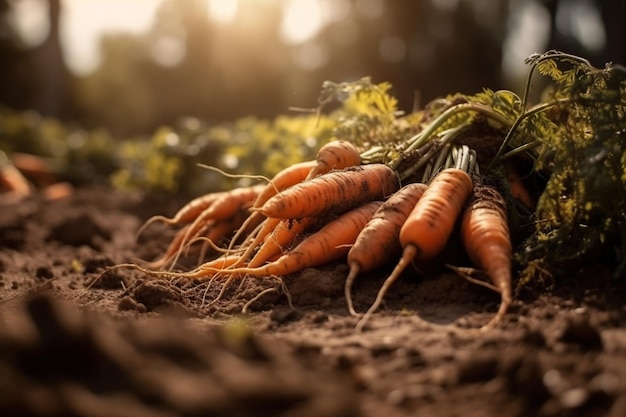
x,y
133,345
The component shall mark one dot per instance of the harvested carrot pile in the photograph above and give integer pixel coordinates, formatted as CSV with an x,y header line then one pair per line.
x,y
488,185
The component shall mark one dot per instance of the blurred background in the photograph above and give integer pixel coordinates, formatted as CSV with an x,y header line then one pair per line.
x,y
131,66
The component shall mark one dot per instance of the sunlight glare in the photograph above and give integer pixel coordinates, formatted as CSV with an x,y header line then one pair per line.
x,y
84,22
335,10
169,51
581,19
30,20
529,23
310,56
302,20
224,11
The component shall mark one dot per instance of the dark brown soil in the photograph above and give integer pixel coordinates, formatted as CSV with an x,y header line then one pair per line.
x,y
129,344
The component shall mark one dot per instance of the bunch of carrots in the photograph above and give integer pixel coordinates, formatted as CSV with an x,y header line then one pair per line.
x,y
342,208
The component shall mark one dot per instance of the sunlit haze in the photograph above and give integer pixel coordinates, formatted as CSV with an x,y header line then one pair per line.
x,y
223,10
85,21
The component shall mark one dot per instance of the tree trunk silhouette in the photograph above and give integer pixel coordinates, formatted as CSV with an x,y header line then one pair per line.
x,y
52,97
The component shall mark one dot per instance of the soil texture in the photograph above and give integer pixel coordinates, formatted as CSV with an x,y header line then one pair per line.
x,y
76,342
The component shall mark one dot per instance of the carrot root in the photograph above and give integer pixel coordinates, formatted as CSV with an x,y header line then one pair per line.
x,y
354,271
407,257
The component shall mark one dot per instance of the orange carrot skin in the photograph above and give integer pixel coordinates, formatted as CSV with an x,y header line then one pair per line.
x,y
193,209
283,235
289,176
379,240
209,267
220,231
334,155
337,154
431,222
328,244
485,235
337,191
12,180
225,207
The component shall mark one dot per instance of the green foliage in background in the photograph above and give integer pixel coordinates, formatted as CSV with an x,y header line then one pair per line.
x,y
167,160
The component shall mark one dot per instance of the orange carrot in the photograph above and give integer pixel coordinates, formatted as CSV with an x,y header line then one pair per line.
x,y
430,224
219,263
289,176
38,169
223,208
337,154
379,241
187,213
219,231
333,155
285,233
227,204
12,180
328,244
266,228
57,191
485,235
336,191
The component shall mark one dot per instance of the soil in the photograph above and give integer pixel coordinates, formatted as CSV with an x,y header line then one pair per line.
x,y
130,344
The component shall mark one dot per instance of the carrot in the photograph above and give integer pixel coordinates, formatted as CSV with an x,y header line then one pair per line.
x,y
337,154
279,239
223,208
218,263
38,169
12,180
333,155
228,203
57,191
187,213
328,244
334,191
379,241
289,176
219,231
428,227
266,228
485,235
430,224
